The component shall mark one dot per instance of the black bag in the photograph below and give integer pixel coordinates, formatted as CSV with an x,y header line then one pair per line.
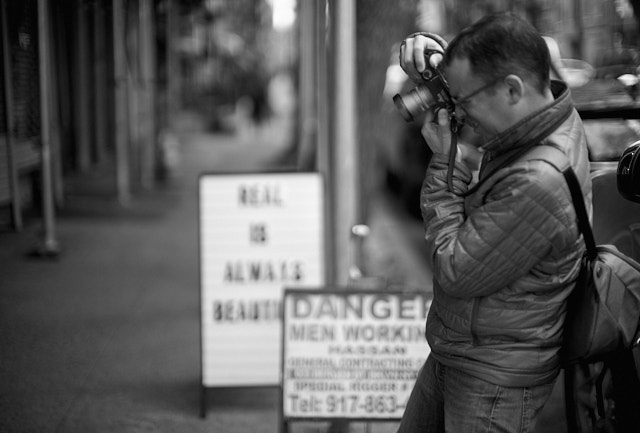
x,y
602,327
603,312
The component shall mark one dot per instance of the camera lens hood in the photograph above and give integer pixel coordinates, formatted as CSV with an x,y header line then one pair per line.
x,y
402,108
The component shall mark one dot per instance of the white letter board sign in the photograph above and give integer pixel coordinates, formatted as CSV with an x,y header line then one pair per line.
x,y
258,234
351,354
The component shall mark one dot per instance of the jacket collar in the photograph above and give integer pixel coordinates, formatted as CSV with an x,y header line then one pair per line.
x,y
521,133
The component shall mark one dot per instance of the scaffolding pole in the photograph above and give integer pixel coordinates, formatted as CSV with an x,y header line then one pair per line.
x,y
49,246
148,97
308,84
344,160
16,199
123,163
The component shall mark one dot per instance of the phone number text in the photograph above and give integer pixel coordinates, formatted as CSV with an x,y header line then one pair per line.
x,y
336,405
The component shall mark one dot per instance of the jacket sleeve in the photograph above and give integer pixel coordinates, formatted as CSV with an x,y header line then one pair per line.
x,y
517,225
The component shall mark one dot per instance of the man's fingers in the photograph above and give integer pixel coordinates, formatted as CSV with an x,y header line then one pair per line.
x,y
406,59
436,130
419,45
429,116
412,55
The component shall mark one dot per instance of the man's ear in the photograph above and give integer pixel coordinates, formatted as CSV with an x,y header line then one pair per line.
x,y
515,88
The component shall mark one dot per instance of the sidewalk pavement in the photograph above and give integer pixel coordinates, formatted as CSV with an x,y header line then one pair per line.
x,y
105,337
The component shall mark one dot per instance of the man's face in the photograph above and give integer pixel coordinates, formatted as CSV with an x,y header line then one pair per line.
x,y
481,104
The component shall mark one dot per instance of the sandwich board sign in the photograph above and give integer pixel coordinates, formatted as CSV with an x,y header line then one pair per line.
x,y
258,233
351,354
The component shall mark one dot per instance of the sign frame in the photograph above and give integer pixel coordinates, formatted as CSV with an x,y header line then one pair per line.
x,y
344,293
315,259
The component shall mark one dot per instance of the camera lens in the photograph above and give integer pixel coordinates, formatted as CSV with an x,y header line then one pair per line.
x,y
402,109
415,101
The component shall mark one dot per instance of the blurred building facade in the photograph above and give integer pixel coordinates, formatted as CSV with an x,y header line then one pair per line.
x,y
91,86
584,29
84,83
87,83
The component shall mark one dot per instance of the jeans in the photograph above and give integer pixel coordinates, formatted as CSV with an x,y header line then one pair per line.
x,y
450,400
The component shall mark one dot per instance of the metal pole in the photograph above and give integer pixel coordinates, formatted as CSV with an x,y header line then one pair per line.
x,y
134,93
174,103
83,90
123,166
56,127
344,121
307,113
50,245
16,200
147,54
578,42
323,151
100,80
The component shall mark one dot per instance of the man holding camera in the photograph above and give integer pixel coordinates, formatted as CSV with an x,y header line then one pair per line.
x,y
506,251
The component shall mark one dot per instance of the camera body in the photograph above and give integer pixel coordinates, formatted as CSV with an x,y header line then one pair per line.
x,y
431,94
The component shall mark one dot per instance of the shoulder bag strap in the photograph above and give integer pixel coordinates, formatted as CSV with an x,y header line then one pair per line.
x,y
544,153
581,211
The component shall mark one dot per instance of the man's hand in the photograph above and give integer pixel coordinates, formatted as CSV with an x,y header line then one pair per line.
x,y
412,55
436,131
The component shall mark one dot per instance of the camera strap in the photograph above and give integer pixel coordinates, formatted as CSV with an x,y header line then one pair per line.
x,y
453,150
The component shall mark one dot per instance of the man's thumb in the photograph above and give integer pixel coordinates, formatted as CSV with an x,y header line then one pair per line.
x,y
443,117
435,59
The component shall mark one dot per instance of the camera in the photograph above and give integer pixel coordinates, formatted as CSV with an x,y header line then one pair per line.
x,y
431,94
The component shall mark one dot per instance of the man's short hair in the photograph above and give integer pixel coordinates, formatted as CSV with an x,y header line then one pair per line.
x,y
502,44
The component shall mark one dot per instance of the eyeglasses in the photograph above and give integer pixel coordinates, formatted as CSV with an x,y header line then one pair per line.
x,y
465,100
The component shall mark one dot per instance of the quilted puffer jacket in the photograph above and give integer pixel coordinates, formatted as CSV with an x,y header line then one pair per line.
x,y
505,258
